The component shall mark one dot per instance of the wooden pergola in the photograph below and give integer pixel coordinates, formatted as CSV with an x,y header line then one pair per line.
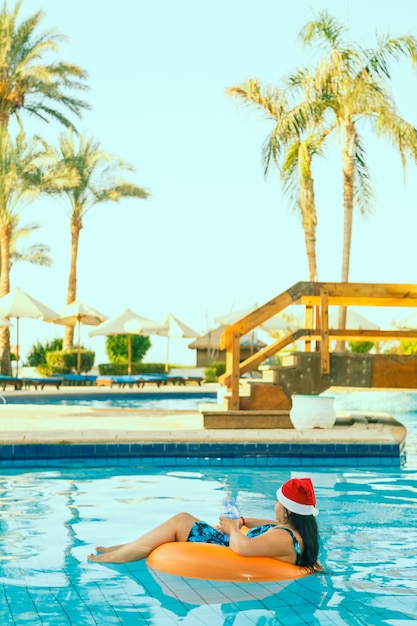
x,y
316,297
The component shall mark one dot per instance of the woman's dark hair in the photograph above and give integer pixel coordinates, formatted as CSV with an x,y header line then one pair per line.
x,y
306,525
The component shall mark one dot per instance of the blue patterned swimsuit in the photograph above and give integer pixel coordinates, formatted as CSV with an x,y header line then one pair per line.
x,y
201,532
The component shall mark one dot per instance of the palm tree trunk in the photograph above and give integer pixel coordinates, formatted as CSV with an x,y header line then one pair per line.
x,y
309,223
348,164
4,119
76,226
5,235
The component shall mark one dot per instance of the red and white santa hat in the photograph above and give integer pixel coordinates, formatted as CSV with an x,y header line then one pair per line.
x,y
297,495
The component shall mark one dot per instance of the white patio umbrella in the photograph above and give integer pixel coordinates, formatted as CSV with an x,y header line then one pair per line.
x,y
128,323
273,324
174,328
78,313
408,323
234,316
354,321
19,304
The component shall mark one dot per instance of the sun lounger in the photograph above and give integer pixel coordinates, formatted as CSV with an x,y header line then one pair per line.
x,y
90,378
79,379
158,379
11,381
122,381
182,376
54,381
141,379
194,379
175,380
182,380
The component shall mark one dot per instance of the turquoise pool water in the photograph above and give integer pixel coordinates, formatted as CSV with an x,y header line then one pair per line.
x,y
173,401
50,519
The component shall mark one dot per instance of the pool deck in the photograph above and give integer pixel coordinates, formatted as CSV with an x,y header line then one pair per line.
x,y
49,424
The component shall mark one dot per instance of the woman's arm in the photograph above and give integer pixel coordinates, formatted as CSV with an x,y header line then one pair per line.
x,y
274,543
251,522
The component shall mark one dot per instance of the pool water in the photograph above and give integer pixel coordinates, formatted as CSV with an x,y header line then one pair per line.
x,y
402,405
51,519
172,401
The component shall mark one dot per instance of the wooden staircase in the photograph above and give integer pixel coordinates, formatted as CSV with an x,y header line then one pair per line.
x,y
304,376
315,369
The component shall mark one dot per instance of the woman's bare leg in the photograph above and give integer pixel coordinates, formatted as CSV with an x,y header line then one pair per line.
x,y
176,528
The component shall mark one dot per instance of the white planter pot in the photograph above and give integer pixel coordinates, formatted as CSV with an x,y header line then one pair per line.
x,y
312,412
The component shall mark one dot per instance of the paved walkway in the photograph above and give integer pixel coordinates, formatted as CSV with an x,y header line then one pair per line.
x,y
29,423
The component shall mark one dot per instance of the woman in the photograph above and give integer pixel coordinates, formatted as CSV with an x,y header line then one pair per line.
x,y
292,537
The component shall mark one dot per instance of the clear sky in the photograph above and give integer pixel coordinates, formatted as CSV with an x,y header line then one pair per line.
x,y
214,235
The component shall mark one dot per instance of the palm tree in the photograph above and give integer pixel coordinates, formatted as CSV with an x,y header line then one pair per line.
x,y
298,181
43,90
22,179
291,148
348,86
352,89
100,177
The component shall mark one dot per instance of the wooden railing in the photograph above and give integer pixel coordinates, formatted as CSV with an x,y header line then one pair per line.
x,y
316,298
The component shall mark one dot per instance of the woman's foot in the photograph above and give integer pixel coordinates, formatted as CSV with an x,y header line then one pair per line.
x,y
103,550
104,558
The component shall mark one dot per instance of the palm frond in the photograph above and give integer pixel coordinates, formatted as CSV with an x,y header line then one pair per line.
x,y
28,83
388,49
97,176
364,195
325,30
36,254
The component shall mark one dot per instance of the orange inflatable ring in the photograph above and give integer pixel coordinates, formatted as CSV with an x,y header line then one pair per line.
x,y
208,561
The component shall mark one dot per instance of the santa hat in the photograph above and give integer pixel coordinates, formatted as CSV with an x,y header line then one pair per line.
x,y
297,495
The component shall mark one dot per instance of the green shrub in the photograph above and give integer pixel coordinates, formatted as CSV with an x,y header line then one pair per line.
x,y
65,361
37,354
120,369
210,375
408,347
45,370
213,371
116,348
360,346
219,366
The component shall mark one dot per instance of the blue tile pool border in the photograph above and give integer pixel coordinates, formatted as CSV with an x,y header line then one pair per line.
x,y
171,454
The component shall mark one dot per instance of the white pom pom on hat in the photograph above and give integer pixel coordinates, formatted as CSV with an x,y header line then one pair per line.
x,y
297,495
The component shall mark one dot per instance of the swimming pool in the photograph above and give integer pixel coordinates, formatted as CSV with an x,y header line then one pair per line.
x,y
174,401
52,518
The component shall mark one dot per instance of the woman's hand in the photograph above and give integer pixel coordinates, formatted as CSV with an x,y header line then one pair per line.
x,y
226,524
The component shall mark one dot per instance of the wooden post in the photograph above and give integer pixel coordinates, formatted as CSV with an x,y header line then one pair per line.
x,y
324,341
309,321
235,362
